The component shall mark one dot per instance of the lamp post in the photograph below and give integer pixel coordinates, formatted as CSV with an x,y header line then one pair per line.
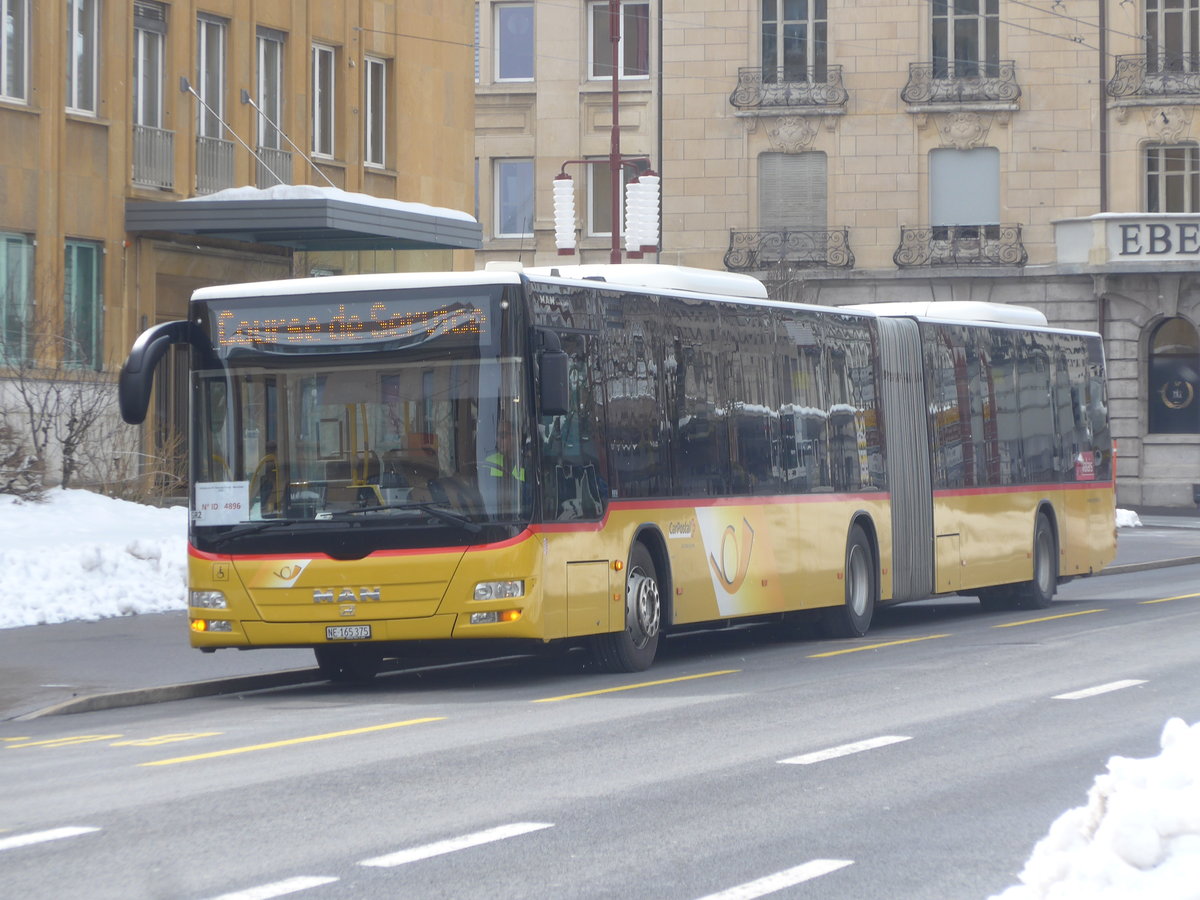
x,y
641,225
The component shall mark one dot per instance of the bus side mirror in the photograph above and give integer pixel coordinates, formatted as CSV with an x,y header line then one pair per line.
x,y
137,375
552,382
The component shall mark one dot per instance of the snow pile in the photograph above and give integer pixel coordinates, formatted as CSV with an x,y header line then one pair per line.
x,y
315,192
84,556
1138,837
1127,518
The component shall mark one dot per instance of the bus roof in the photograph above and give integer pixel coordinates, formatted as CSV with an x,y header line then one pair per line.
x,y
651,275
958,311
336,284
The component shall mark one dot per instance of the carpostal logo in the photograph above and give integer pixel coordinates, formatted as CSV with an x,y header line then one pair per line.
x,y
734,562
681,530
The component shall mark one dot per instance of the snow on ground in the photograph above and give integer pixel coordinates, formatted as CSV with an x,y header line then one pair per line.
x,y
1136,838
84,556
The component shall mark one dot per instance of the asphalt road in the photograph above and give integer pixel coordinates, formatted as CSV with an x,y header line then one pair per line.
x,y
539,779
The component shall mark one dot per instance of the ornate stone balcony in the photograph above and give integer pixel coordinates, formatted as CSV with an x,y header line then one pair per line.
x,y
802,249
1155,77
791,90
944,83
960,245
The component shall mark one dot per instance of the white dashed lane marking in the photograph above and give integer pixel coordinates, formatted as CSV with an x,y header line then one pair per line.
x,y
844,750
40,837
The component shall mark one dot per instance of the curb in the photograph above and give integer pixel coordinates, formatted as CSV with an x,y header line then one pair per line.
x,y
1144,566
186,691
292,677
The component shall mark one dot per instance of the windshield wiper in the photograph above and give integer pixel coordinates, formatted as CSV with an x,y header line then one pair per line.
x,y
255,527
434,510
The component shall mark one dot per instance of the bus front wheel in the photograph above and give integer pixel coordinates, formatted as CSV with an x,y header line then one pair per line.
x,y
853,617
633,648
1038,592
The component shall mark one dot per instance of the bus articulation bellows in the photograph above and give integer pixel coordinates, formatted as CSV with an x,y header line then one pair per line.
x,y
604,454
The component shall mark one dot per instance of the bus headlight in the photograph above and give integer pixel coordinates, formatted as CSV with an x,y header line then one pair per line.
x,y
207,600
499,590
495,617
209,625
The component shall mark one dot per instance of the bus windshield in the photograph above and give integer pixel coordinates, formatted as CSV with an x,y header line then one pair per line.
x,y
393,432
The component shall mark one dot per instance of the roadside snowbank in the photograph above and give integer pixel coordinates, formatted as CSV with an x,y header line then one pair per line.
x,y
1137,838
83,556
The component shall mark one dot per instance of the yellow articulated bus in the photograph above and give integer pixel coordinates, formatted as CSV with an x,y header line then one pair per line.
x,y
604,454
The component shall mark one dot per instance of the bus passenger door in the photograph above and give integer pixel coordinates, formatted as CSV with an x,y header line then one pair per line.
x,y
575,493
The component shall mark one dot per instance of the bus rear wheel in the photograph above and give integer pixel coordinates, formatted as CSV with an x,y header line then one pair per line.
x,y
348,665
1038,592
633,648
853,617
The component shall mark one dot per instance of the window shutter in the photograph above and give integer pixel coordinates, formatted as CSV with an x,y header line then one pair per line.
x,y
792,191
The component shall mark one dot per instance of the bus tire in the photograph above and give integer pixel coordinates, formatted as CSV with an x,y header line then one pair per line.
x,y
348,665
1038,592
632,649
853,617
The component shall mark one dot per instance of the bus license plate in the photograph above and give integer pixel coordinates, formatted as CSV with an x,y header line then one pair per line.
x,y
347,632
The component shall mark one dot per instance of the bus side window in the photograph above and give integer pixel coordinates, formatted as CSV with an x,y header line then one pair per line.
x,y
574,474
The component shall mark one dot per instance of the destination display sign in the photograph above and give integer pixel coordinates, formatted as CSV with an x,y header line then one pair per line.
x,y
317,323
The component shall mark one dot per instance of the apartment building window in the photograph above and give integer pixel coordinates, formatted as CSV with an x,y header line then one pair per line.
x,y
210,80
794,40
375,102
513,23
14,52
1174,395
270,88
149,33
323,86
600,196
792,191
83,23
83,304
514,197
633,41
1173,178
1172,35
964,192
966,38
16,297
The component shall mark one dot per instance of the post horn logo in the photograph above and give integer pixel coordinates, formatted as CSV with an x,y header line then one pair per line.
x,y
742,546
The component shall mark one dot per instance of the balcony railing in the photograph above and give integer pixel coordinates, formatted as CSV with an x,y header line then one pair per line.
x,y
1155,75
960,245
789,87
801,249
961,82
214,165
153,157
271,160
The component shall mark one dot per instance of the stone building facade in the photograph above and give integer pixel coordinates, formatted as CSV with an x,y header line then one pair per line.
x,y
847,151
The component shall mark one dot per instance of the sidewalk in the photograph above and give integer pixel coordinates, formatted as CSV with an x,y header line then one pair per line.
x,y
84,666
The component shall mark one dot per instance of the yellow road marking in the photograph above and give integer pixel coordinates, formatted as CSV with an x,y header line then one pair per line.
x,y
65,741
1082,612
166,739
14,739
1168,599
633,687
929,637
290,742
